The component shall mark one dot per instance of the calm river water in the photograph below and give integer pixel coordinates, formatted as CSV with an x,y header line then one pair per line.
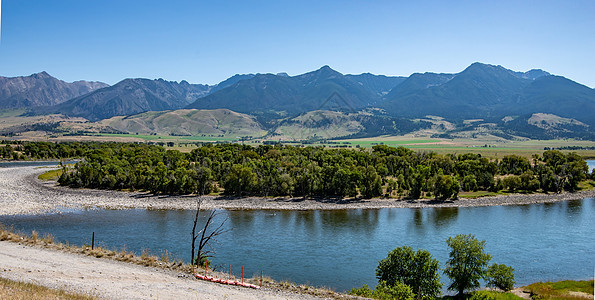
x,y
340,249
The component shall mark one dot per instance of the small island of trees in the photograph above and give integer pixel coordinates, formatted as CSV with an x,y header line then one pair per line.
x,y
297,171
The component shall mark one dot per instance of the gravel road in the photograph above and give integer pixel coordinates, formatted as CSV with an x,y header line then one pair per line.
x,y
110,279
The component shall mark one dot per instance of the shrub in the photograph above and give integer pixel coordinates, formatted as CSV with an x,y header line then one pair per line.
x,y
397,291
383,291
500,276
362,291
419,270
492,295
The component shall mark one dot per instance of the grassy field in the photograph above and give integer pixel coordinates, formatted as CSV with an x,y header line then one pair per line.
x,y
567,289
490,148
10,289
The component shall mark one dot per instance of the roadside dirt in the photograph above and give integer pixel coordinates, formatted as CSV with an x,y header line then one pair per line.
x,y
115,280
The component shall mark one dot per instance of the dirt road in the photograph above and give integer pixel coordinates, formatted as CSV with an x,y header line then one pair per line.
x,y
114,280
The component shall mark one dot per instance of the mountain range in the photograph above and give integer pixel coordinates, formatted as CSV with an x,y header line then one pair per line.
x,y
493,94
41,89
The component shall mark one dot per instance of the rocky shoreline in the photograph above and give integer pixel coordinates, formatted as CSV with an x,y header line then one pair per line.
x,y
22,193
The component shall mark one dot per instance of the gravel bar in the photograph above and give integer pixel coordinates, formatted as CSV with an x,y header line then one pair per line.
x,y
21,192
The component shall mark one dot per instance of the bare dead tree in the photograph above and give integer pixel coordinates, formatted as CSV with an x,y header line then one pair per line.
x,y
207,234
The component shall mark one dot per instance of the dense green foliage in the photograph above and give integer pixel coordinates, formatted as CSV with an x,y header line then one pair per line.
x,y
18,150
492,295
383,291
275,170
301,171
500,276
315,171
418,273
467,262
418,269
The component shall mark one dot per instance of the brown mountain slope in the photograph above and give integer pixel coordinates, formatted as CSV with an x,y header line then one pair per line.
x,y
187,122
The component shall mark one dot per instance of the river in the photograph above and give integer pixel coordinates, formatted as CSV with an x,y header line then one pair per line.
x,y
340,249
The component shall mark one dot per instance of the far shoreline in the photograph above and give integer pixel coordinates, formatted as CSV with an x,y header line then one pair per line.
x,y
39,197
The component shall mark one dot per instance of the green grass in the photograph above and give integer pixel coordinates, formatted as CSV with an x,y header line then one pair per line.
x,y
585,286
485,295
560,289
493,295
586,185
50,175
372,143
11,112
167,137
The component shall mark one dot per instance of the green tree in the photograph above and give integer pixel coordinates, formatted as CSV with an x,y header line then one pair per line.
x,y
529,182
446,186
419,270
500,276
512,183
469,183
467,262
370,183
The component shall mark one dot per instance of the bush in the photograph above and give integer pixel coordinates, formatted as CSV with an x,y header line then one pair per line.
x,y
363,291
492,295
500,276
383,291
397,291
419,270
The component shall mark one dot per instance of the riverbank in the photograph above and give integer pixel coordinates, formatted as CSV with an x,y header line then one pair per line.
x,y
22,193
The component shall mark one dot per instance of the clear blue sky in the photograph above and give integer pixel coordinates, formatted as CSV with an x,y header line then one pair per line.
x,y
208,41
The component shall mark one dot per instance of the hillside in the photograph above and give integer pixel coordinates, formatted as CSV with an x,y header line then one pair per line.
x,y
324,88
325,124
187,122
41,89
504,100
492,92
128,97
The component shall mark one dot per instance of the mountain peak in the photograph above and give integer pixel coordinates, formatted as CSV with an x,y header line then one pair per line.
x,y
484,67
40,75
535,73
326,69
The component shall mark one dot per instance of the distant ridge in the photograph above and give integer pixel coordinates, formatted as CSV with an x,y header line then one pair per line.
x,y
504,100
487,91
130,96
298,94
41,89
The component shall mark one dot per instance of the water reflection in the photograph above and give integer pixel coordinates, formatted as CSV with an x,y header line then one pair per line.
x,y
434,218
355,221
573,208
340,249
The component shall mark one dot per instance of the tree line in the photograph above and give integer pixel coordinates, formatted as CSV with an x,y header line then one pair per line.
x,y
276,170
